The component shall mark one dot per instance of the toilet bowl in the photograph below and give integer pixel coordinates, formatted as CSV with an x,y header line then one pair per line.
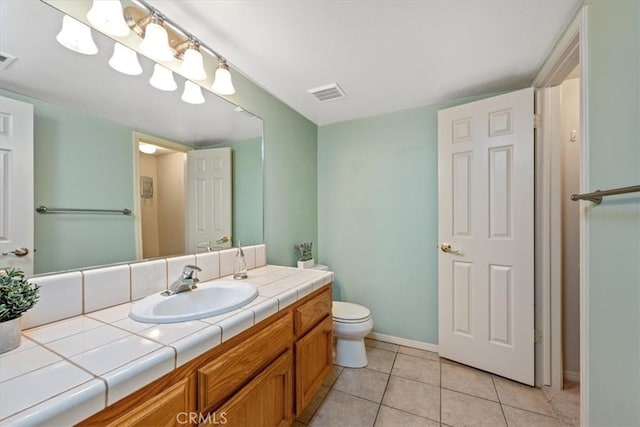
x,y
351,323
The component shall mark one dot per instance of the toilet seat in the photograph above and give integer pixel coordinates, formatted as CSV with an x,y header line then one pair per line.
x,y
346,312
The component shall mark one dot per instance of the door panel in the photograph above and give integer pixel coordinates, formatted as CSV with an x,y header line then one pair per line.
x,y
16,184
208,198
485,214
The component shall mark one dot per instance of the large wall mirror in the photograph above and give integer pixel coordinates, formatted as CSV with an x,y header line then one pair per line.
x,y
89,121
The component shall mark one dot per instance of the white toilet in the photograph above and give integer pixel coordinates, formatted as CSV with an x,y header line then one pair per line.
x,y
351,323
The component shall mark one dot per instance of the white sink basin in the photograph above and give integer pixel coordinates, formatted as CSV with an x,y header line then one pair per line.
x,y
210,299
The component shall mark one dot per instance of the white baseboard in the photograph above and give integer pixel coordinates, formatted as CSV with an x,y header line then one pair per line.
x,y
572,376
404,341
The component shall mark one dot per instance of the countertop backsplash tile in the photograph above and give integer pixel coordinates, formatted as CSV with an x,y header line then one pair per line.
x,y
148,278
106,287
60,297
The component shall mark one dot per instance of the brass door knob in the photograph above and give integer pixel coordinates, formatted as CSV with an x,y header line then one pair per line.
x,y
19,252
446,248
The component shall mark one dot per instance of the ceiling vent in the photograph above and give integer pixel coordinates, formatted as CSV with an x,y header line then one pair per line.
x,y
6,60
329,92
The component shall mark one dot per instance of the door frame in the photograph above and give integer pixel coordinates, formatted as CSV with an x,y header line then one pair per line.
x,y
571,50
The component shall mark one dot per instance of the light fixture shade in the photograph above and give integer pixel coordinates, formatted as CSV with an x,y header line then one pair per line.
x,y
192,93
125,60
192,66
147,148
156,43
222,84
162,79
106,16
76,36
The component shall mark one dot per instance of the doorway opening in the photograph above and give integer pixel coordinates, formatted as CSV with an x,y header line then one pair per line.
x,y
570,140
161,197
561,100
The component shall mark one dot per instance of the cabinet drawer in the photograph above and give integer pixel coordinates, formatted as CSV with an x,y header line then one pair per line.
x,y
169,408
221,377
313,311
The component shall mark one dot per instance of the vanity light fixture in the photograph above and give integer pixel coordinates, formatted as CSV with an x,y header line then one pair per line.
x,y
183,46
156,40
106,16
192,66
162,79
192,93
125,60
222,84
147,148
76,36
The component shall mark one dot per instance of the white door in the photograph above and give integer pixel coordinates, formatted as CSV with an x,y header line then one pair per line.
x,y
485,227
16,185
208,199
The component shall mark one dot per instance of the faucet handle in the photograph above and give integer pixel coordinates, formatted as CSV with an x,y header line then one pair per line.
x,y
188,270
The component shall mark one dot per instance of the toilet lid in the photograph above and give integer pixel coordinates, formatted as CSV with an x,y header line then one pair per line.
x,y
349,311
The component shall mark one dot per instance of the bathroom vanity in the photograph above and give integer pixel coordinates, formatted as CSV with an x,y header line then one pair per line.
x,y
259,364
263,376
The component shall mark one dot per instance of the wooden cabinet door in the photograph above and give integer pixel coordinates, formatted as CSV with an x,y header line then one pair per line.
x,y
171,407
314,361
266,401
308,314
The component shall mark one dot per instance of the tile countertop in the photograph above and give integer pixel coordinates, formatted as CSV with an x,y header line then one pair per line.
x,y
66,371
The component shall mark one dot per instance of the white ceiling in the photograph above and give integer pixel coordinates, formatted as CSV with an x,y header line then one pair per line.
x,y
386,55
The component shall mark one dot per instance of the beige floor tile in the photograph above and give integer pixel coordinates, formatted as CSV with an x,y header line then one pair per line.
x,y
333,375
416,368
380,360
522,396
468,380
521,418
419,353
365,383
389,417
313,405
341,409
566,403
462,410
381,345
413,397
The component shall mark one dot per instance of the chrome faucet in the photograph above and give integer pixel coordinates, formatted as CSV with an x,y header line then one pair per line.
x,y
186,282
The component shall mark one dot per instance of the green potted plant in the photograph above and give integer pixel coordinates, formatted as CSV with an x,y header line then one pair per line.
x,y
16,297
305,257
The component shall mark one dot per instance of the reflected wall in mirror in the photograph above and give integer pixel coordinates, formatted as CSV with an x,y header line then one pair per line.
x,y
87,119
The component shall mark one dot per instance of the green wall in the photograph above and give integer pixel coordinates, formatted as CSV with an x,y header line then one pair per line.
x,y
290,171
613,294
80,161
378,216
246,161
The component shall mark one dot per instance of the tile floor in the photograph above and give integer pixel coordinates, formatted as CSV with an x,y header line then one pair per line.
x,y
403,386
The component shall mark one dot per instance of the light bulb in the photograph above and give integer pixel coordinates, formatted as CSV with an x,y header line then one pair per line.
x,y
106,16
125,60
222,84
156,43
147,148
192,93
192,66
76,36
162,79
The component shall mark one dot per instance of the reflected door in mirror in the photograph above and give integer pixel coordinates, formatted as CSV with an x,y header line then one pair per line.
x,y
208,198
